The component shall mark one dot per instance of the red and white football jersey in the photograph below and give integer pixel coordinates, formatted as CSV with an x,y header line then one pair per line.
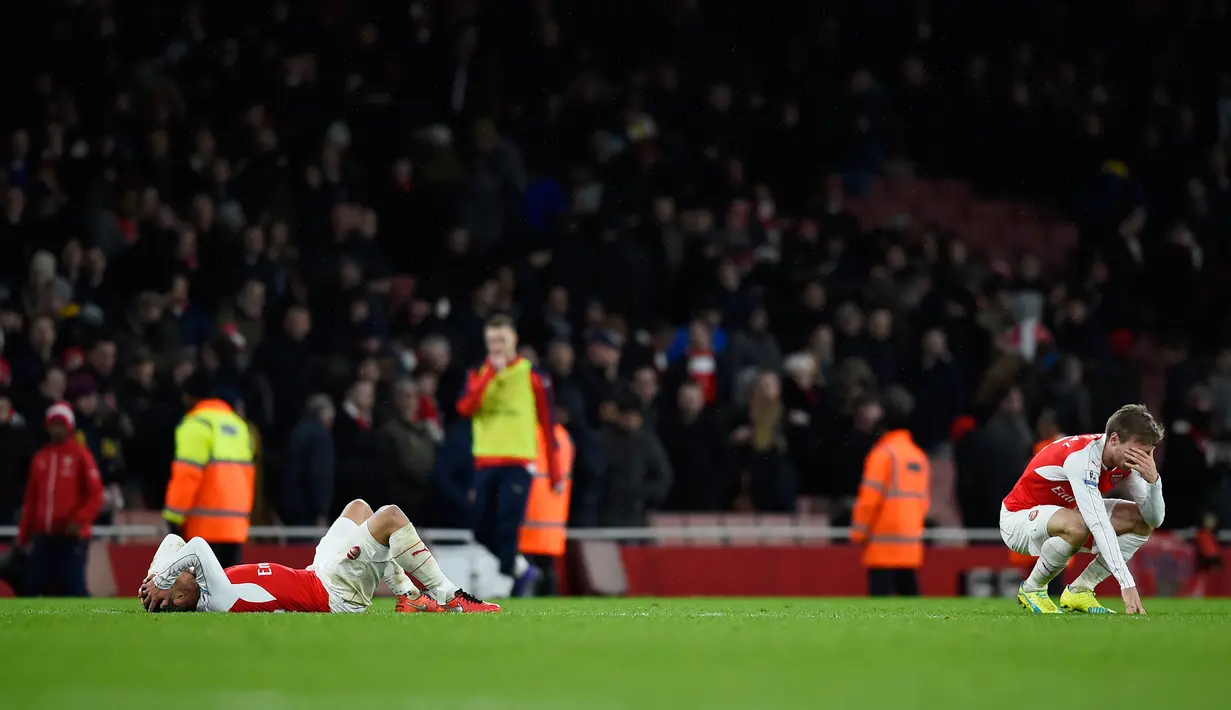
x,y
1045,482
243,588
272,587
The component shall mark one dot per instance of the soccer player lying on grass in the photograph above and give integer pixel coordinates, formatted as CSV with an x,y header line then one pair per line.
x,y
360,550
1058,505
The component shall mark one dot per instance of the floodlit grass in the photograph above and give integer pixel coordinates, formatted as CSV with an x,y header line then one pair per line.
x,y
603,654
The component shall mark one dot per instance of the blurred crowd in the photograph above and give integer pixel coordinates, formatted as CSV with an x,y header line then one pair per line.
x,y
321,202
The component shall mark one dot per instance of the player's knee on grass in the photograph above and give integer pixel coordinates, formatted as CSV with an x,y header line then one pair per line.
x,y
357,510
1069,526
386,521
1126,518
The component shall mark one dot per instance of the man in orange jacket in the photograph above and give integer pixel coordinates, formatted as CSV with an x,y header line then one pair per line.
x,y
212,479
544,531
893,502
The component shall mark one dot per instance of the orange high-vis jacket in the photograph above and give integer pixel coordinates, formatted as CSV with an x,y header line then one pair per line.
x,y
212,479
892,504
543,531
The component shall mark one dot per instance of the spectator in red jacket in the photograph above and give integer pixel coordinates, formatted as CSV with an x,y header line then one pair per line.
x,y
63,496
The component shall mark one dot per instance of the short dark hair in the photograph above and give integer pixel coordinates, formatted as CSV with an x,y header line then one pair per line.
x,y
1134,422
199,385
500,320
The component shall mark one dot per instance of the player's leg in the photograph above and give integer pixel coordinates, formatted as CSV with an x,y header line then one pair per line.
x,y
1132,533
514,492
1066,533
390,572
907,582
1053,535
390,528
357,511
880,582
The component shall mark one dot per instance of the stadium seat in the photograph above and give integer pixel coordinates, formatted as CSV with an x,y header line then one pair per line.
x,y
813,520
770,520
740,521
702,520
666,520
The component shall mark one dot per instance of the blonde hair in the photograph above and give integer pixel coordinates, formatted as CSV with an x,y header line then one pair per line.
x,y
1134,421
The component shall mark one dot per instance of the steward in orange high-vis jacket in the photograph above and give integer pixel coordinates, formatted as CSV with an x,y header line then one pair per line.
x,y
543,530
212,479
893,501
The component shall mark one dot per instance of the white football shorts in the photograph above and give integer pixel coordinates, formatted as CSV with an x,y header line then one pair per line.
x,y
350,564
1025,531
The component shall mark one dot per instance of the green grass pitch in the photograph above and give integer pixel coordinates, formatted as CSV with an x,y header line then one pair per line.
x,y
600,654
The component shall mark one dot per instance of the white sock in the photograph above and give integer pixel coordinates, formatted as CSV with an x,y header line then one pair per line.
x,y
520,565
409,551
1052,559
1097,570
396,580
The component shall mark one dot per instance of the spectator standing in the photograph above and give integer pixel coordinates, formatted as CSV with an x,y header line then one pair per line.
x,y
766,476
940,398
807,422
699,461
100,363
853,439
53,388
600,376
286,360
643,386
638,472
407,449
359,469
148,326
702,363
212,482
102,430
31,363
1002,449
507,402
63,496
882,352
16,449
308,475
1070,398
939,391
245,317
755,347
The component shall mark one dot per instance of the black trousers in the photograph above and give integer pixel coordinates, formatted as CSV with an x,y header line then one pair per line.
x,y
902,582
500,495
228,553
56,566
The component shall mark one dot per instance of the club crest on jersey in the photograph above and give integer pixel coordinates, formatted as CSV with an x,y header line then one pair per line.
x,y
1033,514
353,554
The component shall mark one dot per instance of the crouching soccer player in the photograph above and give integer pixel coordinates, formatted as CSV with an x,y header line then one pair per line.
x,y
1058,504
360,550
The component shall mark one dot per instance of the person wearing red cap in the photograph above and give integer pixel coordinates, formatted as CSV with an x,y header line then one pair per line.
x,y
63,496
